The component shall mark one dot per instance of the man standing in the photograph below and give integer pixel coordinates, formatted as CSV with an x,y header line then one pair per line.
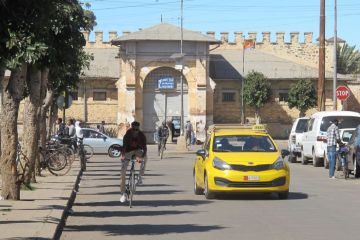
x,y
61,127
333,137
102,127
188,131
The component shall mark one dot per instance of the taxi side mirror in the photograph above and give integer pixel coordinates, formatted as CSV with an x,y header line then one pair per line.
x,y
284,153
201,153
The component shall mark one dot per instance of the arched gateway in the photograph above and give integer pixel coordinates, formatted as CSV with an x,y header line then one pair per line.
x,y
149,84
162,98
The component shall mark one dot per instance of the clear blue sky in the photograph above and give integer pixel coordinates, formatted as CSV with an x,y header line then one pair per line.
x,y
231,15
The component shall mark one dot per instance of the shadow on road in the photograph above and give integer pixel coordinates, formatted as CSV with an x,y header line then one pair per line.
x,y
102,214
144,229
260,196
150,203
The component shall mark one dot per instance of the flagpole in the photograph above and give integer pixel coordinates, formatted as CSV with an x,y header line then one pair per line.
x,y
242,84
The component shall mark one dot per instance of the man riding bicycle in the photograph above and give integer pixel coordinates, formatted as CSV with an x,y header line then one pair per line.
x,y
163,134
133,141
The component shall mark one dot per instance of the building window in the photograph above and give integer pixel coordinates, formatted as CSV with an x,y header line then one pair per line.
x,y
74,96
283,97
228,97
99,96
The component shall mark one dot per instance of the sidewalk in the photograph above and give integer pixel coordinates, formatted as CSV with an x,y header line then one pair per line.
x,y
38,213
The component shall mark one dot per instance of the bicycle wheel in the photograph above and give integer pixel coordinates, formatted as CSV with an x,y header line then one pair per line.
x,y
131,187
56,164
21,166
70,154
162,151
88,151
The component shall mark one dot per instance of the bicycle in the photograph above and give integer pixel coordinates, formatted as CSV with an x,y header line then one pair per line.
x,y
22,166
55,158
133,178
342,154
162,146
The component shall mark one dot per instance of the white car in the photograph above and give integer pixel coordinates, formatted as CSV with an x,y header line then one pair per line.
x,y
102,143
295,138
314,139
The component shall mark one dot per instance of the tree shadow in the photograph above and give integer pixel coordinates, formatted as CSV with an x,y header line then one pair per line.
x,y
103,214
149,203
144,229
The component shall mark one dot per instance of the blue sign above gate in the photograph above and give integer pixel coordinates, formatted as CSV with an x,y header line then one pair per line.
x,y
166,83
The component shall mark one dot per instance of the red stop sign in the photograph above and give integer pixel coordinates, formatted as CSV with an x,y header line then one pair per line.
x,y
342,93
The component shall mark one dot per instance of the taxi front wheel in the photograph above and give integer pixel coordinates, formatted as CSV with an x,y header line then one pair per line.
x,y
284,195
197,189
208,194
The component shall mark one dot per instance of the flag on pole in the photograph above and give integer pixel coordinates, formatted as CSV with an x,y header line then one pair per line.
x,y
249,43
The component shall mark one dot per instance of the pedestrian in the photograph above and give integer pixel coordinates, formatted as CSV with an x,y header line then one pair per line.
x,y
188,132
61,127
333,137
102,127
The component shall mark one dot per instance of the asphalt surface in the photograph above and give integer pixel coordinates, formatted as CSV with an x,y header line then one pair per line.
x,y
166,208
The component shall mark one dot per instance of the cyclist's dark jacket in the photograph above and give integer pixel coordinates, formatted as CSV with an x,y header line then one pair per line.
x,y
163,131
131,143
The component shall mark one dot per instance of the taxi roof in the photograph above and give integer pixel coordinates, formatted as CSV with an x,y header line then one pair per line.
x,y
234,129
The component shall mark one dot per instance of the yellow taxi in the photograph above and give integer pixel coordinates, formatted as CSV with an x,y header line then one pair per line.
x,y
238,158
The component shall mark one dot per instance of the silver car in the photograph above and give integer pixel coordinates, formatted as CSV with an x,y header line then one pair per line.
x,y
102,143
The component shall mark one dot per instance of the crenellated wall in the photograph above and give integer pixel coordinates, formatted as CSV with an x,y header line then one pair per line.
x,y
303,52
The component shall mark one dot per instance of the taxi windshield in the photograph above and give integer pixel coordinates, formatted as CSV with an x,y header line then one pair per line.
x,y
243,143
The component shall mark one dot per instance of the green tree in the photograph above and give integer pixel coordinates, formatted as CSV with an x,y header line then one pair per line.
x,y
302,96
348,59
257,92
37,37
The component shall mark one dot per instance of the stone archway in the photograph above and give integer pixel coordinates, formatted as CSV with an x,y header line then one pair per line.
x,y
158,101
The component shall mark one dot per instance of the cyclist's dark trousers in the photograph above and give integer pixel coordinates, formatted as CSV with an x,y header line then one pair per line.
x,y
124,165
159,144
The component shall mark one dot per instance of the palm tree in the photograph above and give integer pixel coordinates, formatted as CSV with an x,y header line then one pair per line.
x,y
348,59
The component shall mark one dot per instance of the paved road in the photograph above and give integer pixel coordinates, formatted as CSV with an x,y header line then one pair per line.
x,y
166,208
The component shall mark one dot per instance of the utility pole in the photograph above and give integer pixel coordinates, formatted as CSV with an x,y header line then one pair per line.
x,y
335,56
321,81
181,72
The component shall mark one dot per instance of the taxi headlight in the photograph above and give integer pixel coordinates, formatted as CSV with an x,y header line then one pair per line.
x,y
279,164
220,164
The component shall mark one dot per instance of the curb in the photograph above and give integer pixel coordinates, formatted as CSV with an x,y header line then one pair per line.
x,y
68,207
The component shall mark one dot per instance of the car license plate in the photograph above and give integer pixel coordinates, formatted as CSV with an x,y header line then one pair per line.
x,y
251,178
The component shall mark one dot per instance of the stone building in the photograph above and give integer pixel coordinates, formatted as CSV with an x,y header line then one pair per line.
x,y
138,76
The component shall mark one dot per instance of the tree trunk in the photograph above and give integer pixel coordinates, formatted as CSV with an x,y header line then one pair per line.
x,y
13,91
2,75
30,134
257,116
53,116
42,118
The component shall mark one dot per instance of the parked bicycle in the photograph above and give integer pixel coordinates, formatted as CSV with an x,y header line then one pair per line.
x,y
55,158
22,166
72,142
342,155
